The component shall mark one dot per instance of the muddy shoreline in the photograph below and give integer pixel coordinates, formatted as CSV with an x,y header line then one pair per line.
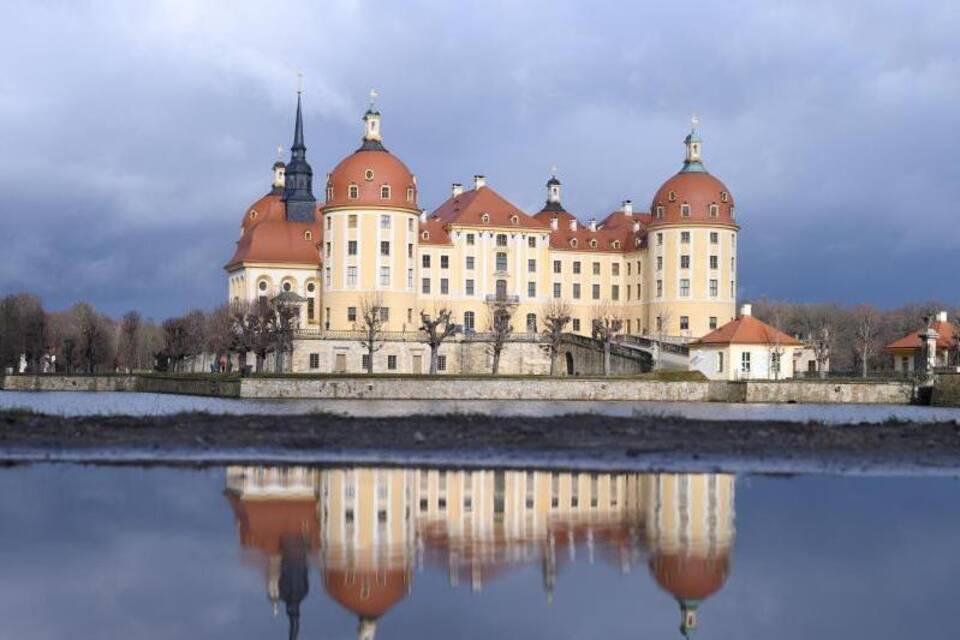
x,y
605,440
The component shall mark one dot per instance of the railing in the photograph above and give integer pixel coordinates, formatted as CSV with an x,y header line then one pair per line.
x,y
667,344
503,298
347,334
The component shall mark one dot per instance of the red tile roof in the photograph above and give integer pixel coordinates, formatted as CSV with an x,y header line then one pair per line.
x,y
469,207
615,233
434,232
748,330
912,341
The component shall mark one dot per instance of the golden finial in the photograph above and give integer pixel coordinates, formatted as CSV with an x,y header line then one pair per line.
x,y
299,82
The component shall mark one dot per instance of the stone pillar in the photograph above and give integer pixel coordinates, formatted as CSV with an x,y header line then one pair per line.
x,y
930,337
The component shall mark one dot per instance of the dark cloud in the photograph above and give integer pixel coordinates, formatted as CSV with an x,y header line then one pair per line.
x,y
135,135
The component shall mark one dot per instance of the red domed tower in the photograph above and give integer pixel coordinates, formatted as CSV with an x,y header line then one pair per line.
x,y
692,240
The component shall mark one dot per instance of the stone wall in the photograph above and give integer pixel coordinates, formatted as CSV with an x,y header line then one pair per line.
x,y
946,390
30,382
828,392
205,386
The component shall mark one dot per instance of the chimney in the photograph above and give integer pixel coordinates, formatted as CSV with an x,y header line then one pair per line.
x,y
573,224
554,223
746,310
593,224
628,207
456,189
479,181
942,316
423,216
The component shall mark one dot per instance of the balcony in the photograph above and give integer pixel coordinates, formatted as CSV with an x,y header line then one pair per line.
x,y
502,298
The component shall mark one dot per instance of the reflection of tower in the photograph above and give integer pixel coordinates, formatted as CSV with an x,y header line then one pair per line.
x,y
690,531
276,513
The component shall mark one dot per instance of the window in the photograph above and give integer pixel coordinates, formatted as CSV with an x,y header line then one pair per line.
x,y
531,323
596,292
470,262
713,322
672,196
628,268
410,250
514,219
684,323
638,291
327,276
392,363
733,290
745,362
501,239
311,287
714,211
385,276
685,237
615,269
714,262
574,242
659,263
365,361
576,324
326,249
329,194
384,222
685,210
469,321
262,285
351,276
775,362
385,192
659,324
444,286
615,292
385,248
441,363
501,289
353,192
409,278
444,262
576,290
351,247
685,262
720,362
352,221
659,211
410,224
531,266
593,243
468,287
411,194
368,175
308,235
557,290
501,261
557,266
532,242
714,237
659,288
329,222
731,213
426,285
576,266
659,239
351,314
596,268
314,360
485,218
638,267
531,289
425,260
713,288
684,287
724,196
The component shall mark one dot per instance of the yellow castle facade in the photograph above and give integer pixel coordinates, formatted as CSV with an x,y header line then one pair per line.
x,y
667,273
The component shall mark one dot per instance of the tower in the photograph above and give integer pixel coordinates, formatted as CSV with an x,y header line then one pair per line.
x,y
298,176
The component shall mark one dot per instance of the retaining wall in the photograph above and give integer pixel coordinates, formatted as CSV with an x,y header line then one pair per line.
x,y
946,390
828,392
69,383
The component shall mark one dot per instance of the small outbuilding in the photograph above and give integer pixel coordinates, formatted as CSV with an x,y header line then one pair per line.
x,y
745,349
908,352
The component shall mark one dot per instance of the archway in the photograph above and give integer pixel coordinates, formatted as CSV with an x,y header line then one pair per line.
x,y
569,363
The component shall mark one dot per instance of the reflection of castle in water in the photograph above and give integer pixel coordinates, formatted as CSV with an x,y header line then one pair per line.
x,y
366,529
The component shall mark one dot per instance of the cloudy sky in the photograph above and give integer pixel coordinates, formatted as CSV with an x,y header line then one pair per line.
x,y
133,135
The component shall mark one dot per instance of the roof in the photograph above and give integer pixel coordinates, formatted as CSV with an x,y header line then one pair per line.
x,y
697,189
615,233
367,592
690,577
469,207
913,341
280,242
262,524
436,233
371,169
747,330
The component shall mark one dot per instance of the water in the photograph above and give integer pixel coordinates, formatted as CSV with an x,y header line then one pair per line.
x,y
91,403
395,552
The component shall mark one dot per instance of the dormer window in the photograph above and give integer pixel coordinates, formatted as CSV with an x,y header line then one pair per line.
x,y
253,214
731,213
353,192
425,235
573,242
616,244
672,196
724,196
659,211
410,194
485,218
308,235
329,192
685,210
385,192
593,243
514,219
368,175
714,210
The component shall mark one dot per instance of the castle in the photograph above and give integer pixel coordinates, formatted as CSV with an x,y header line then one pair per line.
x,y
669,272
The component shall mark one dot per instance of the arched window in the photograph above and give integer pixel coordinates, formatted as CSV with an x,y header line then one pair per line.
x,y
685,210
485,218
353,192
410,194
531,323
724,196
672,196
385,192
593,243
714,210
616,244
573,242
329,192
425,235
659,210
308,235
253,214
514,219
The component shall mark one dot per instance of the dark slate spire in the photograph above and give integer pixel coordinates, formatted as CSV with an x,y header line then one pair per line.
x,y
298,178
553,193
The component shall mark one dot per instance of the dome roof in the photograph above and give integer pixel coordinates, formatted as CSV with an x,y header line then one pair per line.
x,y
370,593
700,191
370,170
267,236
690,577
269,208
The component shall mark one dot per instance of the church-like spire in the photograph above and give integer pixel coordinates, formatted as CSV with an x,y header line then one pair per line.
x,y
693,161
298,176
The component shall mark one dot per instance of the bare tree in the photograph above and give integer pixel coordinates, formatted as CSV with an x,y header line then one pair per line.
x,y
866,332
281,325
435,330
500,326
774,344
371,326
93,333
219,334
606,324
23,330
129,340
556,317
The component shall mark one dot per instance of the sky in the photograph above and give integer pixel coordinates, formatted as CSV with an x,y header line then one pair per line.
x,y
134,135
